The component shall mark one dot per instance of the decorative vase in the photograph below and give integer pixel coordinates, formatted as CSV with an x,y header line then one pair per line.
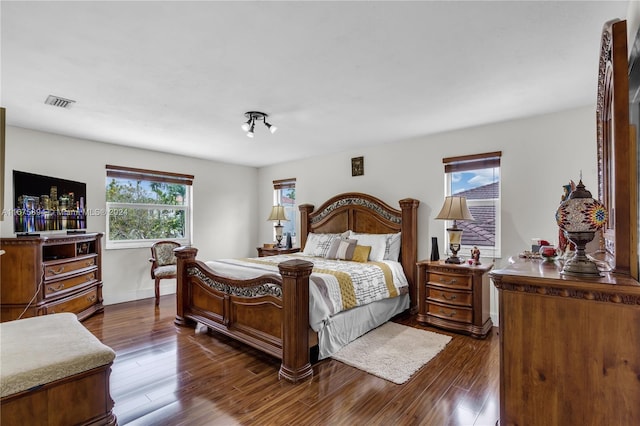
x,y
435,253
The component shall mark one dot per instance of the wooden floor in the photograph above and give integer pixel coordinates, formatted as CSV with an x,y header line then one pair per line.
x,y
168,375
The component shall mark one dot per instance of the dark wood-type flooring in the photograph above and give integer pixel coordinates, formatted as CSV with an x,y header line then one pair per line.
x,y
169,375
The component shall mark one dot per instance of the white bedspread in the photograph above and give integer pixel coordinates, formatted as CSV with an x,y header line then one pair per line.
x,y
325,299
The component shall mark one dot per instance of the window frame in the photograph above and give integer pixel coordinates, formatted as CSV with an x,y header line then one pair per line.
x,y
119,172
489,160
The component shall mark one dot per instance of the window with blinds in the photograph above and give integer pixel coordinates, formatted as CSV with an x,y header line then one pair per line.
x,y
145,206
477,178
284,194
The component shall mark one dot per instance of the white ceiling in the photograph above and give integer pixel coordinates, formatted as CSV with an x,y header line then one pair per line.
x,y
177,76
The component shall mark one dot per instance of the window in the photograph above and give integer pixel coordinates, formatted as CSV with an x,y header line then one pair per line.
x,y
477,178
145,206
284,194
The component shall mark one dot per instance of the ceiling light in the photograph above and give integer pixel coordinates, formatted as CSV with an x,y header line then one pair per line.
x,y
246,126
252,117
271,127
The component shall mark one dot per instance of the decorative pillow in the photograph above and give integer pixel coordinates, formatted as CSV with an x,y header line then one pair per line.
x,y
342,249
319,244
361,253
377,242
392,251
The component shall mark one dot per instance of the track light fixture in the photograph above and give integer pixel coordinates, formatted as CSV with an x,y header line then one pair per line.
x,y
252,117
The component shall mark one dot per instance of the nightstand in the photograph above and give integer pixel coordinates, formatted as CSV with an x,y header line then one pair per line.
x,y
263,251
454,297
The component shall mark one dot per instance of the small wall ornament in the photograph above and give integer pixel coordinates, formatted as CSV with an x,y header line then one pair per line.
x,y
357,166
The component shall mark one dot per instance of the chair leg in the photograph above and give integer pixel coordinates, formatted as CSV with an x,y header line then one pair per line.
x,y
157,291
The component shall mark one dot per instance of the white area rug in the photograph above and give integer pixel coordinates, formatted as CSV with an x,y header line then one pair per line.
x,y
392,351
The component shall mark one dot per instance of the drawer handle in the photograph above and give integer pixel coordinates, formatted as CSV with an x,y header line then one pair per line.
x,y
454,297
449,282
91,298
90,277
59,287
449,314
56,272
89,262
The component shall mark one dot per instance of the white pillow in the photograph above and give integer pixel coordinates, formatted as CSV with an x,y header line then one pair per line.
x,y
319,244
391,244
378,243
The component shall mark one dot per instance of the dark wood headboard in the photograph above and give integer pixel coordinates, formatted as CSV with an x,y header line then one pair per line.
x,y
367,214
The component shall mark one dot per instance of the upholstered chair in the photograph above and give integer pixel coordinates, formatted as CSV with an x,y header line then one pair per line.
x,y
163,263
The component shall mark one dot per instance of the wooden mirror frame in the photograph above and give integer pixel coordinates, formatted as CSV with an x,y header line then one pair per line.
x,y
617,155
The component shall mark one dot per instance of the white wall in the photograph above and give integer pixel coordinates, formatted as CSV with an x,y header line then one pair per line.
x,y
539,155
225,199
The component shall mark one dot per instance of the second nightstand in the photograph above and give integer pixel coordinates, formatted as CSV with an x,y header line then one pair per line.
x,y
263,251
454,297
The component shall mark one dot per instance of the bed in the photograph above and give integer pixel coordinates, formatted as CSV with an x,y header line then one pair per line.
x,y
270,310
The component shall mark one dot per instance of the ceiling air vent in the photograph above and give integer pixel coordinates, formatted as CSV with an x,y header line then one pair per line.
x,y
59,102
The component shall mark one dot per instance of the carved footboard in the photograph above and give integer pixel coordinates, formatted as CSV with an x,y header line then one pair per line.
x,y
270,313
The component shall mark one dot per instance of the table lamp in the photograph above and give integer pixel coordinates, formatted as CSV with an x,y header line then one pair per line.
x,y
454,208
580,217
277,213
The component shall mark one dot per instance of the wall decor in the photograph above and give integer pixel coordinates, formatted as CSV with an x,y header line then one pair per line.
x,y
357,166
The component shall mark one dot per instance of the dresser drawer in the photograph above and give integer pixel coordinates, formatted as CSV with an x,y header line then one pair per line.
x,y
59,268
451,313
450,280
76,303
54,288
461,298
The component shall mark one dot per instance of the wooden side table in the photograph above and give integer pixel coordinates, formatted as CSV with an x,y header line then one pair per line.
x,y
263,251
455,297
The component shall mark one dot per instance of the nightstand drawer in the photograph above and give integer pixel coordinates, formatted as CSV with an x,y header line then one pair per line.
x,y
463,298
455,281
451,313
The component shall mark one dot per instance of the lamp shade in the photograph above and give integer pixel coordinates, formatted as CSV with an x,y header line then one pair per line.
x,y
581,213
277,213
455,208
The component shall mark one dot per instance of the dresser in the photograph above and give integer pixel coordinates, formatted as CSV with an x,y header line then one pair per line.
x,y
454,297
51,274
569,347
263,251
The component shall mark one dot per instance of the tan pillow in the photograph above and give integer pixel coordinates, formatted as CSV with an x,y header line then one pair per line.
x,y
361,253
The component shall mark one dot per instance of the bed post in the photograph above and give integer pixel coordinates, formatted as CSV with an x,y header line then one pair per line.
x,y
409,253
296,365
184,255
305,210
